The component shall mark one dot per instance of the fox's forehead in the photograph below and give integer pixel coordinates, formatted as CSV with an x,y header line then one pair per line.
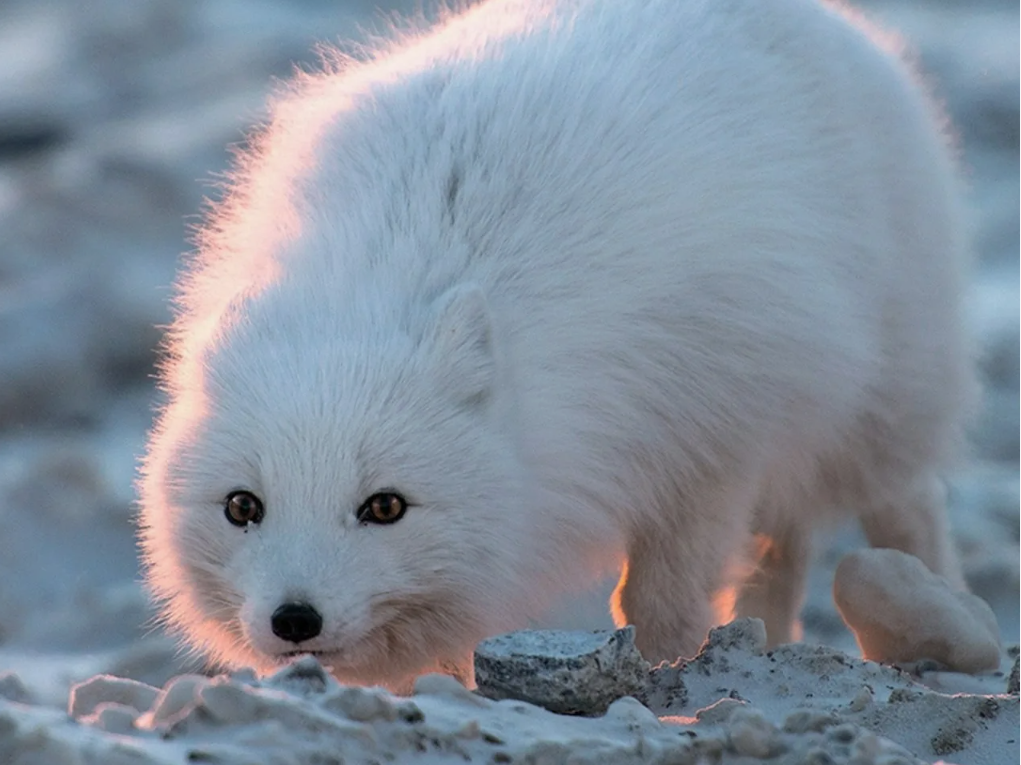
x,y
313,362
306,470
285,431
286,327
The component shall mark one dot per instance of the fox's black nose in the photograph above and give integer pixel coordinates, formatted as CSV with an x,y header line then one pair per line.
x,y
296,622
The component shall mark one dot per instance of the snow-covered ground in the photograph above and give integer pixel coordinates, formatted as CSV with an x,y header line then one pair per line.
x,y
114,116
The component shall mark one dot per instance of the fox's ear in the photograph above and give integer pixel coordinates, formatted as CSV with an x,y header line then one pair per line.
x,y
461,341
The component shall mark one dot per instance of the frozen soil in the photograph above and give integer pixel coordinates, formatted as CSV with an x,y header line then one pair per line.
x,y
114,116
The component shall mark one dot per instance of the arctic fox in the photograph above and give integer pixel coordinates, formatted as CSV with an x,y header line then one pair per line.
x,y
555,288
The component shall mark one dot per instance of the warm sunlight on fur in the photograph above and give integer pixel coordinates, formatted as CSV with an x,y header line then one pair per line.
x,y
724,605
616,609
552,285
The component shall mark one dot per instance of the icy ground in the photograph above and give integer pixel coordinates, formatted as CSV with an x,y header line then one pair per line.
x,y
113,116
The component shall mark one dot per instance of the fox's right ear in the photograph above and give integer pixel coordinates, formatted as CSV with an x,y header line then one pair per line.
x,y
461,339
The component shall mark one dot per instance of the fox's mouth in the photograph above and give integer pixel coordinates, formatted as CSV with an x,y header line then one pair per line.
x,y
296,654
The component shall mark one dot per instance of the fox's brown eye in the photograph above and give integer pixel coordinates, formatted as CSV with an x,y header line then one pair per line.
x,y
385,507
242,508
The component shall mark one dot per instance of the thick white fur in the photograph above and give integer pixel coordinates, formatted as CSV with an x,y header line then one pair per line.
x,y
591,282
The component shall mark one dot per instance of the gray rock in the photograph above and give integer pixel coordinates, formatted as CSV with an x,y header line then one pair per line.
x,y
565,672
1013,681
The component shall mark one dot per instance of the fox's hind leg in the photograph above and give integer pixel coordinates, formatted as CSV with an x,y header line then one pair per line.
x,y
915,522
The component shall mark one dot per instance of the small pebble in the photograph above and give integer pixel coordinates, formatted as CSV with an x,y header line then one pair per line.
x,y
862,700
410,712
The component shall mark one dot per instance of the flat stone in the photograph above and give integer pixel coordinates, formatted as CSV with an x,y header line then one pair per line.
x,y
900,611
565,672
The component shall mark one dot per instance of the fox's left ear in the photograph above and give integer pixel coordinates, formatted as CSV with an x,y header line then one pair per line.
x,y
461,341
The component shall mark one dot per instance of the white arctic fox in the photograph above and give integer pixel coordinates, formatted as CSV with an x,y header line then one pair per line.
x,y
558,287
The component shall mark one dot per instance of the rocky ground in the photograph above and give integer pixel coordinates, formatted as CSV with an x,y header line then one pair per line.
x,y
114,117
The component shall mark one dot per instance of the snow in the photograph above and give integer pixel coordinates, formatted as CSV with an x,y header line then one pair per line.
x,y
114,117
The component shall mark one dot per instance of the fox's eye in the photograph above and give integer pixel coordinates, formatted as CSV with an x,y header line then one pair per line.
x,y
242,508
385,507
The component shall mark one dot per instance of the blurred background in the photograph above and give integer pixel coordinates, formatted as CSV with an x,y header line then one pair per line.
x,y
115,116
